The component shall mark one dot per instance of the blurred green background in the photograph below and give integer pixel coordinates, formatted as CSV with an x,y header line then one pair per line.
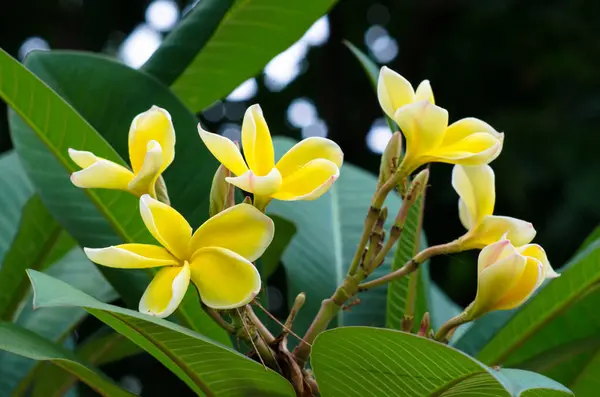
x,y
530,69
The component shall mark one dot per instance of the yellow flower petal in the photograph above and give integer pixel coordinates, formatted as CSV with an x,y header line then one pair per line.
x,y
152,125
492,253
98,172
224,150
307,150
493,227
260,185
393,91
476,149
225,280
537,252
495,281
423,125
309,182
424,92
242,229
524,286
166,291
146,178
131,256
166,225
476,188
256,142
462,128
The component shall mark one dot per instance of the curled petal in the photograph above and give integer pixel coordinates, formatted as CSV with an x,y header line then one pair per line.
x,y
476,187
256,142
476,149
495,281
307,150
98,172
144,181
242,229
131,256
152,125
166,225
423,125
424,92
393,91
492,253
462,128
494,227
225,280
259,185
224,150
537,252
166,291
309,182
526,284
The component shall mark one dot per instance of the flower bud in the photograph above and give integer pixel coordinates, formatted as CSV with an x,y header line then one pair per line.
x,y
418,185
220,191
508,276
390,158
425,324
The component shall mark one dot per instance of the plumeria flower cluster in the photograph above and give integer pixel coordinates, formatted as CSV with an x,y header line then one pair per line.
x,y
510,269
217,257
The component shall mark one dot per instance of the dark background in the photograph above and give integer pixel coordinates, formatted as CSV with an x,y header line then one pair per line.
x,y
530,69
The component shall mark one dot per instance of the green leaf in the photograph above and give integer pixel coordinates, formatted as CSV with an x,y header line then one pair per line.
x,y
54,324
249,35
372,71
205,366
46,126
272,256
363,361
551,330
51,381
398,299
329,229
18,340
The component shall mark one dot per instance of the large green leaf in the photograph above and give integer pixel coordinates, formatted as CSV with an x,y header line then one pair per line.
x,y
249,34
363,361
208,368
329,229
555,332
97,350
54,324
44,126
272,257
21,341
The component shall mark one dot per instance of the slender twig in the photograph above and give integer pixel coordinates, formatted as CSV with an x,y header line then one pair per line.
x,y
446,330
219,320
286,328
251,338
260,327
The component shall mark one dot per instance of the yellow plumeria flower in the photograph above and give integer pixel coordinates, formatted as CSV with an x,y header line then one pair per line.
x,y
508,276
217,257
429,138
305,172
476,187
394,91
151,151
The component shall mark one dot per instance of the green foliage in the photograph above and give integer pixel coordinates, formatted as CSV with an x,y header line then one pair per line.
x,y
360,361
205,366
20,341
272,257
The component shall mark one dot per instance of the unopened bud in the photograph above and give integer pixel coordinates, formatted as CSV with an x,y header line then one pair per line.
x,y
390,159
407,323
418,185
425,323
220,191
247,200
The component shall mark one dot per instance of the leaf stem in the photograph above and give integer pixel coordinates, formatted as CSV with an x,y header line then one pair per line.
x,y
445,332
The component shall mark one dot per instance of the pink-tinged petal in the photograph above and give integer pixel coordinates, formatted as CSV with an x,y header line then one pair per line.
x,y
131,256
167,226
256,142
166,291
225,280
152,125
259,185
242,229
98,172
309,182
490,254
307,150
494,227
224,150
537,252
